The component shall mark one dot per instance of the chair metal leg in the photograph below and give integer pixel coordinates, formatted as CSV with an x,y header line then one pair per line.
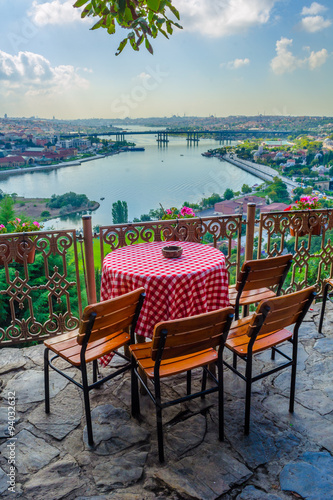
x,y
188,382
248,375
135,399
159,423
95,370
203,381
234,360
87,404
323,307
46,380
273,354
221,401
245,311
293,378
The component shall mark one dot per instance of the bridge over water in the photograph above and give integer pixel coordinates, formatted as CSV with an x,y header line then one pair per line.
x,y
192,136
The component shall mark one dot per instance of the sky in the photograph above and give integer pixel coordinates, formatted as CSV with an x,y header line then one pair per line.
x,y
232,57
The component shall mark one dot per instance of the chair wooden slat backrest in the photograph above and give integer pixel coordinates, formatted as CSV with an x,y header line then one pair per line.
x,y
280,312
263,272
111,316
189,335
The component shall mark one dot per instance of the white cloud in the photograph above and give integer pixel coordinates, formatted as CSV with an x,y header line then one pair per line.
x,y
216,18
315,8
54,12
236,64
34,74
317,59
286,62
315,23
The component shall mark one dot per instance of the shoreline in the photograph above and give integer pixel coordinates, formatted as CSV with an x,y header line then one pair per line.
x,y
253,168
39,168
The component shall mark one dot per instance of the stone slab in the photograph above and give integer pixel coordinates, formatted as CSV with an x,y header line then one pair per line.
x,y
11,359
4,433
3,481
66,411
120,471
252,493
311,476
56,481
31,453
114,430
29,386
206,475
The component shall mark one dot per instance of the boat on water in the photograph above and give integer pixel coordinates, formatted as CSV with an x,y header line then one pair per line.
x,y
207,153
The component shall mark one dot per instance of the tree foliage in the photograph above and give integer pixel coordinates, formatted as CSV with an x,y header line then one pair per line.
x,y
143,19
119,212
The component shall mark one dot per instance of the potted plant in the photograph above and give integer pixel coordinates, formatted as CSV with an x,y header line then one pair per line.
x,y
301,224
173,213
23,243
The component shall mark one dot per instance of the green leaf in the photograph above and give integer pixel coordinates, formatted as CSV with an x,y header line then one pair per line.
x,y
153,5
122,5
122,45
79,3
173,10
148,46
98,24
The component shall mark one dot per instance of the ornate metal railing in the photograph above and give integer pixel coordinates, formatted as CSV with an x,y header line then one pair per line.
x,y
307,235
220,232
40,292
41,273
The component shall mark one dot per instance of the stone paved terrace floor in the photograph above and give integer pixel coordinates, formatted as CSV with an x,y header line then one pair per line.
x,y
285,456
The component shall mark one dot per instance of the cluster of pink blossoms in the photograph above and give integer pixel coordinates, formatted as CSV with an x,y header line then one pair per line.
x,y
174,213
305,203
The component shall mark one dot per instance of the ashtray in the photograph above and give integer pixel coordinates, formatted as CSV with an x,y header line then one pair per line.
x,y
172,251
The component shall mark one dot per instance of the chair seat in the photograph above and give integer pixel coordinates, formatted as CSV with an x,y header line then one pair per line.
x,y
67,347
329,281
250,296
238,340
142,353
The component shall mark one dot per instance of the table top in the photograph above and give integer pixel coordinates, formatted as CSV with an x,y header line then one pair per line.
x,y
146,259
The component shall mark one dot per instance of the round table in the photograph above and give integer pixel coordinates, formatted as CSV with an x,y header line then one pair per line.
x,y
195,283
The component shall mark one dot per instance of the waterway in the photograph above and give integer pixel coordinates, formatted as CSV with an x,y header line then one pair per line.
x,y
168,175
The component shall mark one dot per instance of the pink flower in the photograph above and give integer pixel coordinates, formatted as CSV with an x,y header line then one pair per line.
x,y
18,220
168,211
36,223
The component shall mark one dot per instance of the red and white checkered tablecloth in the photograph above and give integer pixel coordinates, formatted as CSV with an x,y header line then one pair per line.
x,y
195,283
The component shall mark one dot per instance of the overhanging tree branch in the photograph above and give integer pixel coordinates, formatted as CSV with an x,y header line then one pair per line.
x,y
143,19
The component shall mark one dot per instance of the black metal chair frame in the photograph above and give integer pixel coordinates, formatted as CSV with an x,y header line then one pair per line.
x,y
156,381
243,283
292,361
326,295
85,386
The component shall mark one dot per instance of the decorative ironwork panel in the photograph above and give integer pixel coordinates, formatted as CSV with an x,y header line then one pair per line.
x,y
220,232
40,294
308,236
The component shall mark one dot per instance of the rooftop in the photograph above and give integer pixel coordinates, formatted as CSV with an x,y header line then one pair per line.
x,y
285,456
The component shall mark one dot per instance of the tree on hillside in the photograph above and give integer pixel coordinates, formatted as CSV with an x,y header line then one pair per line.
x,y
7,210
119,212
228,194
143,19
246,189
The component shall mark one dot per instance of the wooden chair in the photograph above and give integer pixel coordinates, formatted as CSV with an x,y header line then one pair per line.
x,y
103,328
180,346
266,329
326,295
254,280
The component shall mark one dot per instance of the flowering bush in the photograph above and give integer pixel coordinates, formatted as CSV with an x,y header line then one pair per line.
x,y
174,213
305,203
24,227
3,229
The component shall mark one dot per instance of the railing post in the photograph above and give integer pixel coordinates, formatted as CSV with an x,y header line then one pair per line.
x,y
251,217
89,256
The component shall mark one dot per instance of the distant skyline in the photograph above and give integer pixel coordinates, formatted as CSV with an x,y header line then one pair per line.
x,y
233,57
